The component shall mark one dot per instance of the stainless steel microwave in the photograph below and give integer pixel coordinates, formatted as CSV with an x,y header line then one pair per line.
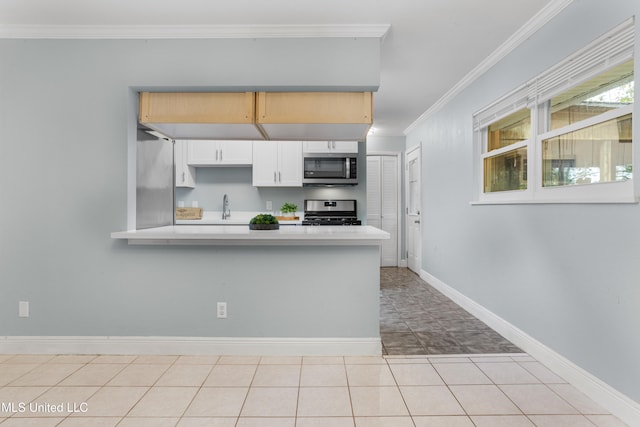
x,y
330,169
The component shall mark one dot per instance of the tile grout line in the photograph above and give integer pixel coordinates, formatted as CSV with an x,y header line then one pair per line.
x,y
246,396
395,380
295,419
452,393
503,392
137,401
346,375
89,397
184,411
200,387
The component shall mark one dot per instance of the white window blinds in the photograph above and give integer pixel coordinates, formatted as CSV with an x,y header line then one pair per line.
x,y
510,103
607,51
610,50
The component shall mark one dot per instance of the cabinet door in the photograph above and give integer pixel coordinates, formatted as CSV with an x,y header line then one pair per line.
x,y
317,146
235,153
185,174
331,146
290,164
265,165
203,153
344,146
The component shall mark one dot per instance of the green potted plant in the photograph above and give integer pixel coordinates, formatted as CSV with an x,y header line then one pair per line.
x,y
264,222
289,209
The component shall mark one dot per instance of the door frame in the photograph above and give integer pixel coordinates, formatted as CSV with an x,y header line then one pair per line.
x,y
415,149
399,228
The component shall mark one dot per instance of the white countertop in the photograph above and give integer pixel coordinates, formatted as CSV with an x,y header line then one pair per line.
x,y
235,235
236,218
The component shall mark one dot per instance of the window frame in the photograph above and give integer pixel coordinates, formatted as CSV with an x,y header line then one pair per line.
x,y
613,191
513,195
536,95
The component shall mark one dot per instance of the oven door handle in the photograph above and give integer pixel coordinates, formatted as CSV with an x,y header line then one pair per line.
x,y
347,163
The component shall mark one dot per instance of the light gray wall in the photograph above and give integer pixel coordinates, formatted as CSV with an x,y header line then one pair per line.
x,y
213,182
66,117
389,144
567,275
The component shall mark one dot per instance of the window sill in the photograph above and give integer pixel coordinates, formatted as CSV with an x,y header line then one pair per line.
x,y
633,200
621,192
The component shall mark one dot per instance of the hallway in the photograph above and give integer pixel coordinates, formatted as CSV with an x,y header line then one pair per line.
x,y
417,319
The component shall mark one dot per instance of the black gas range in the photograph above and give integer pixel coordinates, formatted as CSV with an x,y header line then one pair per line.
x,y
330,212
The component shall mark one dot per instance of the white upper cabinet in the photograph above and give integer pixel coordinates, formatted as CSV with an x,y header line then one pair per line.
x,y
185,174
277,164
331,146
290,164
220,153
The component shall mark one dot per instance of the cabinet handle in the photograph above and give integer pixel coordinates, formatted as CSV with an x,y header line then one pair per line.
x,y
333,145
329,145
274,176
221,154
280,177
183,177
417,221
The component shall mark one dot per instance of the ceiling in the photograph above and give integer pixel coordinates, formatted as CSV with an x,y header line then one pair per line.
x,y
431,45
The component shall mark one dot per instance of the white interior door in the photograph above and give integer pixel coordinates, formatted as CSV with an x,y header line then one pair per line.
x,y
383,203
414,206
374,186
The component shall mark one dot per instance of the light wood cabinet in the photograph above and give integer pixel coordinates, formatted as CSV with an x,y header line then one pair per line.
x,y
197,107
200,115
314,107
220,153
277,164
315,115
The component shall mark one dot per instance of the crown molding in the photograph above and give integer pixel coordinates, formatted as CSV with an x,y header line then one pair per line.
x,y
190,31
539,20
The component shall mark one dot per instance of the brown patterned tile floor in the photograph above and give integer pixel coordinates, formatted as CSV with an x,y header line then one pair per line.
x,y
415,318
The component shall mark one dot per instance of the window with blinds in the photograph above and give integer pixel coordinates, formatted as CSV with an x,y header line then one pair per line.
x,y
569,128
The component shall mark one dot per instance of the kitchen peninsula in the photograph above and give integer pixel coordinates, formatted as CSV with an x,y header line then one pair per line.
x,y
297,290
239,235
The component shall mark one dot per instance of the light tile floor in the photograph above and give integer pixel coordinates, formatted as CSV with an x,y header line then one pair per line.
x,y
510,390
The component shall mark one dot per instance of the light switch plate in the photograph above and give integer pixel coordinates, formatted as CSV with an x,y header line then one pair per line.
x,y
23,309
222,310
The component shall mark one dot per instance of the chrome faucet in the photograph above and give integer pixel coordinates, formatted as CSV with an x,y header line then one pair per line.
x,y
226,212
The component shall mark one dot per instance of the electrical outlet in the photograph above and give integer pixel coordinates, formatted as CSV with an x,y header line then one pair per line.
x,y
222,310
269,205
23,308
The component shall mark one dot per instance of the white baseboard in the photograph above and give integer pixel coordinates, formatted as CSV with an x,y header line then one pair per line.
x,y
602,393
190,345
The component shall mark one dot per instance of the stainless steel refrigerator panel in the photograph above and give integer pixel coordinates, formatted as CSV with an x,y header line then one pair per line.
x,y
154,182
